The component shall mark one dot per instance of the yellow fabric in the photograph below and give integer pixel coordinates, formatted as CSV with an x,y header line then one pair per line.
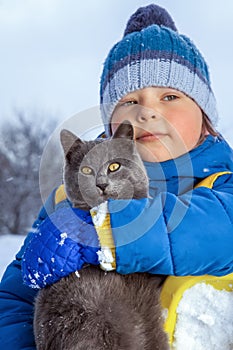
x,y
174,287
60,194
104,233
210,180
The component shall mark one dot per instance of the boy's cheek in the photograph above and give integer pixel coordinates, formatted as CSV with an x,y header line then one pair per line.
x,y
113,127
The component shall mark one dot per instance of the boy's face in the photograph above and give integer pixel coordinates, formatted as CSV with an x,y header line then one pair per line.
x,y
166,122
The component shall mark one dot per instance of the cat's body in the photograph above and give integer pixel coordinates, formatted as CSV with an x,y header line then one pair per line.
x,y
101,310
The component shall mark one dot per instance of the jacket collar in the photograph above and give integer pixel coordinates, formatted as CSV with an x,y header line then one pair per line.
x,y
183,173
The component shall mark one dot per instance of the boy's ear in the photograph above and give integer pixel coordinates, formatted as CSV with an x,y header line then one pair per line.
x,y
124,130
68,140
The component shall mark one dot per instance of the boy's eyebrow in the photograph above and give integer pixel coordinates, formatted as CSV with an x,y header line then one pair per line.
x,y
168,88
175,91
126,97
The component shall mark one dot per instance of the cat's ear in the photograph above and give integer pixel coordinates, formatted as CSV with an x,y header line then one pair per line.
x,y
124,130
68,140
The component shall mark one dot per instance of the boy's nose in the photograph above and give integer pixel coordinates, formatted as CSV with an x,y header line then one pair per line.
x,y
145,115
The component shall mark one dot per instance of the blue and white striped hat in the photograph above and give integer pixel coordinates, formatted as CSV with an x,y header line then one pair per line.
x,y
153,53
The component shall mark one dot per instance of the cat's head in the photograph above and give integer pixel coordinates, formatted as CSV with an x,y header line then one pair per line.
x,y
97,170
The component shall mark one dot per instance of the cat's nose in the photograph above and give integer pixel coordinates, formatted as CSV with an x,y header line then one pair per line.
x,y
102,186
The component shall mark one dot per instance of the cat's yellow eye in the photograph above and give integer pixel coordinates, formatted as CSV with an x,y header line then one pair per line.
x,y
86,170
113,167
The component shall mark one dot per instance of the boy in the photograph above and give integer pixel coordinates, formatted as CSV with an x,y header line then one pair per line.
x,y
157,79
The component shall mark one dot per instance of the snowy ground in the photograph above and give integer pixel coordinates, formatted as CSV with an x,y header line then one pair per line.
x,y
205,315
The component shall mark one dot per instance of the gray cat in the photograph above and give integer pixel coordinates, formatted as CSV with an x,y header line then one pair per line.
x,y
101,310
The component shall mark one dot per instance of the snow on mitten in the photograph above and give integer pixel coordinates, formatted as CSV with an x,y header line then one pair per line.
x,y
62,244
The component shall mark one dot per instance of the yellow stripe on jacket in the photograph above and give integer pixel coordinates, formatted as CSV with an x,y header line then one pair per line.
x,y
101,220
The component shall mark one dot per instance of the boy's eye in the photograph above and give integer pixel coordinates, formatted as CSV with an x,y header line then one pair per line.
x,y
86,170
170,97
128,103
113,167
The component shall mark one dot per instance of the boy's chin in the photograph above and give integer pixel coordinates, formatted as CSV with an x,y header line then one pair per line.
x,y
153,154
161,151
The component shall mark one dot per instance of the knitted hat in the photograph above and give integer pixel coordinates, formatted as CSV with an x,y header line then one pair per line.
x,y
153,53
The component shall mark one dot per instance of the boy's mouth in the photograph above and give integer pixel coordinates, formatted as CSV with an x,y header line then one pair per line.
x,y
147,136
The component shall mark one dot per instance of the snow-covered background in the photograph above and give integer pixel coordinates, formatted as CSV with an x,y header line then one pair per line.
x,y
9,246
52,51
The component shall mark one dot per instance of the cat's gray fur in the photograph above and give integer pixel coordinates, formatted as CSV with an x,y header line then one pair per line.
x,y
101,310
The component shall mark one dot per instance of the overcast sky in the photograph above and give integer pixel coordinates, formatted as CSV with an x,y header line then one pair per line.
x,y
52,51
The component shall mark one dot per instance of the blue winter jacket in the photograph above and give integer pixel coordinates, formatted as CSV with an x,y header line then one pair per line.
x,y
180,231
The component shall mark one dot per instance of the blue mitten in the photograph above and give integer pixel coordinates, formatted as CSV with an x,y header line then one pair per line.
x,y
62,244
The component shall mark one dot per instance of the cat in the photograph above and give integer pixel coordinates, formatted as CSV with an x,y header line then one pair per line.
x,y
101,310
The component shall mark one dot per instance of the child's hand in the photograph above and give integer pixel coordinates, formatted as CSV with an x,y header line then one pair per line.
x,y
62,244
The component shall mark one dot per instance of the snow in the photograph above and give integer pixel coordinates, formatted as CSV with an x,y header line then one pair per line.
x,y
105,258
9,246
205,319
205,315
63,237
99,213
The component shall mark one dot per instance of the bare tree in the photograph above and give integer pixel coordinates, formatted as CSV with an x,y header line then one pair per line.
x,y
21,147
